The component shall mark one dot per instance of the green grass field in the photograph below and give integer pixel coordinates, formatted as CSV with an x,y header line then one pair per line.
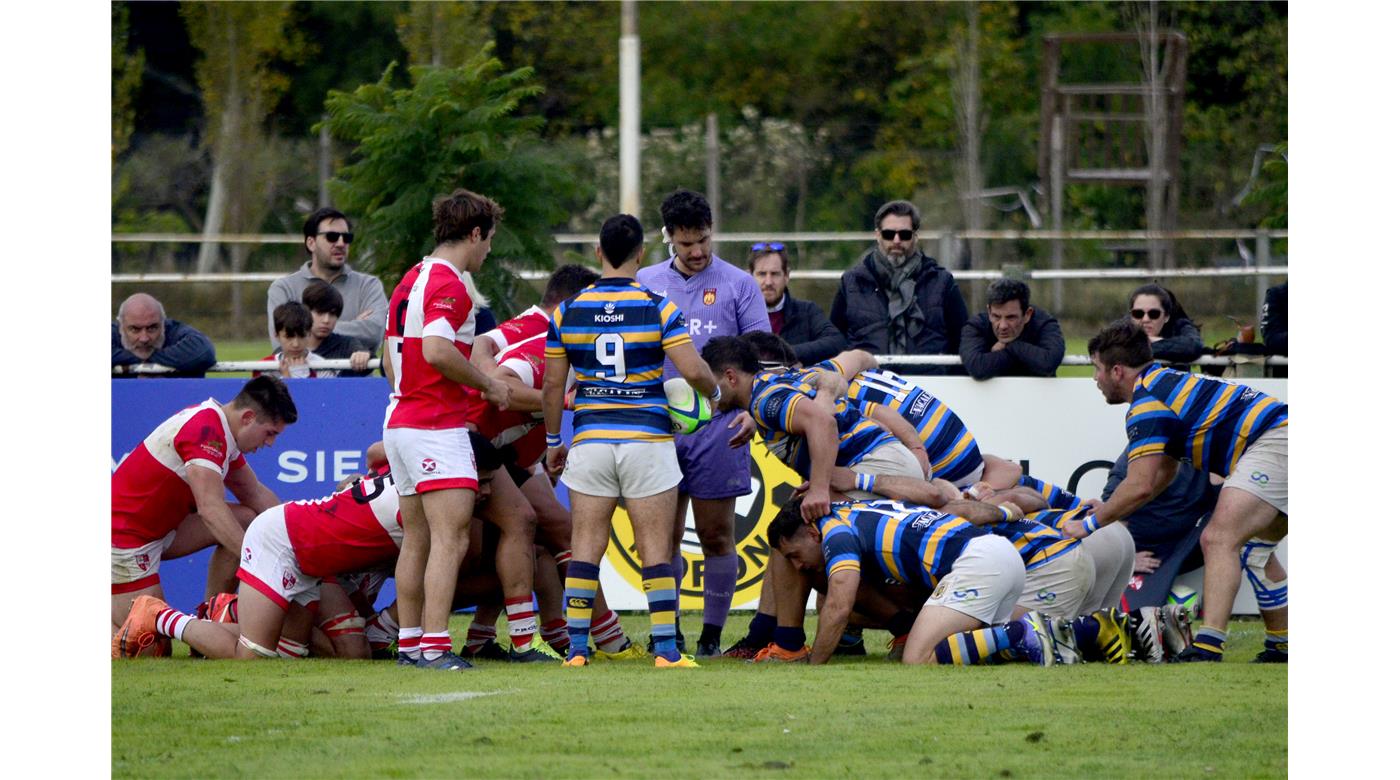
x,y
861,717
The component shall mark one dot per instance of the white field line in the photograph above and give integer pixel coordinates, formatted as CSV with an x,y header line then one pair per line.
x,y
442,698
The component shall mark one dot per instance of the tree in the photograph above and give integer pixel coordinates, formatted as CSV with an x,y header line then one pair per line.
x,y
455,127
126,79
240,43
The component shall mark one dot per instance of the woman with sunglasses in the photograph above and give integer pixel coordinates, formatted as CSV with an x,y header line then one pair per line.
x,y
1175,338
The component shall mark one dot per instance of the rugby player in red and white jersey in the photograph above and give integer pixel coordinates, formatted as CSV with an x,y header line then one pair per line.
x,y
428,342
168,493
287,551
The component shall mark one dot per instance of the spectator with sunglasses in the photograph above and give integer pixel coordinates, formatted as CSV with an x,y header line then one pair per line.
x,y
802,324
327,240
896,300
1175,338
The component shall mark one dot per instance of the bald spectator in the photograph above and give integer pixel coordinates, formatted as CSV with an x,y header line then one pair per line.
x,y
142,334
326,237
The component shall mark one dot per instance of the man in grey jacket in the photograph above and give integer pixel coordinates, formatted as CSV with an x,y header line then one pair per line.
x,y
327,238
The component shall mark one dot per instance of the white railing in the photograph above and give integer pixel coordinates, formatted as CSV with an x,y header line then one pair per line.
x,y
884,360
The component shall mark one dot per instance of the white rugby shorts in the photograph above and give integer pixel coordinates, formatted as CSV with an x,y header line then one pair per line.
x,y
135,568
985,581
1262,470
269,566
1058,588
423,460
893,460
634,470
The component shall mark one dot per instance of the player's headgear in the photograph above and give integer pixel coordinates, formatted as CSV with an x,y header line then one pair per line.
x,y
269,397
620,239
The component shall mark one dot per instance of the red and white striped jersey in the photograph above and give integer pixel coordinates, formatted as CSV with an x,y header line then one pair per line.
x,y
530,323
524,357
150,489
353,530
431,300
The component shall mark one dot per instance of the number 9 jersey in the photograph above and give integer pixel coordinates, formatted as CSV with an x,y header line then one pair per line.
x,y
614,334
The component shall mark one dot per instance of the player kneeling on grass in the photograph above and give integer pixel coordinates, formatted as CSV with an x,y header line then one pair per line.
x,y
168,494
975,576
286,552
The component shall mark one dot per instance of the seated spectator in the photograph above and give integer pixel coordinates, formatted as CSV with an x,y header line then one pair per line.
x,y
1175,338
325,304
142,334
326,239
802,324
896,300
1013,338
1273,325
293,323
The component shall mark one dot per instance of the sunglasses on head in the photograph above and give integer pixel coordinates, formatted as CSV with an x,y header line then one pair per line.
x,y
334,236
1151,314
764,247
904,235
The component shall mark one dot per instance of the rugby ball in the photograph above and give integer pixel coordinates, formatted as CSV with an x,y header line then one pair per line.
x,y
689,410
1187,598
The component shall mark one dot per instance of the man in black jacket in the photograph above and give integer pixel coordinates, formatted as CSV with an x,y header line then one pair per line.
x,y
896,300
1012,338
142,334
802,324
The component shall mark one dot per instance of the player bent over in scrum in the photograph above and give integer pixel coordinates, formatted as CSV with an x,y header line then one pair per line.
x,y
615,335
287,551
168,494
975,576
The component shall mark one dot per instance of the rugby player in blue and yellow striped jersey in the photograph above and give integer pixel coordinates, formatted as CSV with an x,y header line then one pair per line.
x,y
613,335
975,577
1218,426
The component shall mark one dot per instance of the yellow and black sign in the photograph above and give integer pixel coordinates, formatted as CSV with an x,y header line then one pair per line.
x,y
773,483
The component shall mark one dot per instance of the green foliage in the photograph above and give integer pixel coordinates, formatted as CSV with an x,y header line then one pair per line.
x,y
455,127
126,79
1271,191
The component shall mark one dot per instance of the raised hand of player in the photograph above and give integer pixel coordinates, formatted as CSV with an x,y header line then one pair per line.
x,y
554,459
745,433
816,504
498,393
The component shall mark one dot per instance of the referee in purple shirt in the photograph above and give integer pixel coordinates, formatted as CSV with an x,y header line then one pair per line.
x,y
717,299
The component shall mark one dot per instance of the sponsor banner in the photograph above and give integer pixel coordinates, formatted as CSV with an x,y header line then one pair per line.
x,y
1058,429
337,420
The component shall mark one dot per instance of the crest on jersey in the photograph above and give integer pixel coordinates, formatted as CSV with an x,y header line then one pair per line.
x,y
609,307
143,561
711,293
288,579
772,484
923,521
429,465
